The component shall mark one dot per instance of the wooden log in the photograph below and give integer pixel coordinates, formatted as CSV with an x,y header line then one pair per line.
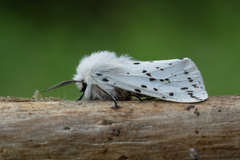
x,y
138,130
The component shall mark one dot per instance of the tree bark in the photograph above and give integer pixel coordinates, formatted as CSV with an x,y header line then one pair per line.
x,y
138,130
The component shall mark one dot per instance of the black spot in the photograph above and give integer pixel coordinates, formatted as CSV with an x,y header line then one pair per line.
x,y
137,90
155,89
196,112
116,132
67,128
184,88
162,80
170,63
181,58
105,80
171,94
114,83
175,75
195,85
191,94
127,72
136,63
196,131
151,61
98,74
185,72
189,79
157,67
162,69
143,86
144,71
148,74
166,79
163,97
190,107
152,79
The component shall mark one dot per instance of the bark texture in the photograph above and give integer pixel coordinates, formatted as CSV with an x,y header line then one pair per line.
x,y
146,130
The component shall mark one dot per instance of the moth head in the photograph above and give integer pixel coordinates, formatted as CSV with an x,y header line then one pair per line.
x,y
80,84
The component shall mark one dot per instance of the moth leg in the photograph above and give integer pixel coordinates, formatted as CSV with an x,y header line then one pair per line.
x,y
149,98
138,97
83,91
80,97
114,100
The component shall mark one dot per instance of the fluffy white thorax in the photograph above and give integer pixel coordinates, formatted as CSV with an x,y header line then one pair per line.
x,y
99,62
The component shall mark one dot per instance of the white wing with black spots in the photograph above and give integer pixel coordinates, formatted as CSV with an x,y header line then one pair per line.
x,y
176,80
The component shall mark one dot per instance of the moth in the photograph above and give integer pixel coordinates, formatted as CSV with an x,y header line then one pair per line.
x,y
105,76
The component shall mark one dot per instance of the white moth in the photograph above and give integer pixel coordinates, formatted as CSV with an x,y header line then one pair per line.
x,y
104,76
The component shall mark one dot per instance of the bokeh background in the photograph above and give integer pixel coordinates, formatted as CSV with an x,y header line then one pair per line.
x,y
42,41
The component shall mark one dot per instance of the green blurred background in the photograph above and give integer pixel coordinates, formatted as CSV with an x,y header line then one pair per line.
x,y
41,42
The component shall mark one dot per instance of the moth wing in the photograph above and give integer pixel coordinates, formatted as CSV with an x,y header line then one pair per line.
x,y
177,80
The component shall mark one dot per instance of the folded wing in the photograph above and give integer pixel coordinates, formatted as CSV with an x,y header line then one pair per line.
x,y
177,80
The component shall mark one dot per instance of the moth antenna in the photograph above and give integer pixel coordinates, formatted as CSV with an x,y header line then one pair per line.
x,y
61,84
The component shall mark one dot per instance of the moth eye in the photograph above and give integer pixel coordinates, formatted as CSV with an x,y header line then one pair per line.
x,y
84,86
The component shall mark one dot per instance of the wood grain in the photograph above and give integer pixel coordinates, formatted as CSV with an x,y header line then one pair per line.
x,y
146,130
